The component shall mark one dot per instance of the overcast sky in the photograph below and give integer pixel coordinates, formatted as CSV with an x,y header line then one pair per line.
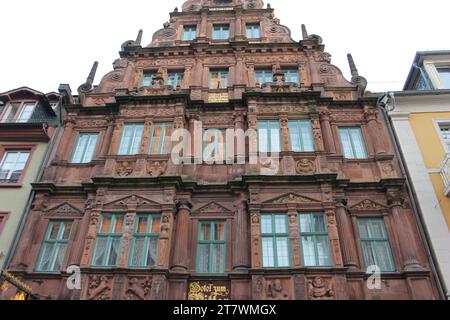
x,y
48,42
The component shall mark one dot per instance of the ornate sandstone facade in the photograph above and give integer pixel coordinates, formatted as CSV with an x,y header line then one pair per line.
x,y
209,63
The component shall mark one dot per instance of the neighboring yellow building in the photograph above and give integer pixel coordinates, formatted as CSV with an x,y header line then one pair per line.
x,y
421,119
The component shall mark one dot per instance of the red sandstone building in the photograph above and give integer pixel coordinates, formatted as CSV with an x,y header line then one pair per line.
x,y
142,227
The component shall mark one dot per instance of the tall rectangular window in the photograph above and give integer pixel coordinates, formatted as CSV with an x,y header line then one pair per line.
x,y
147,79
275,241
211,247
444,74
160,141
214,145
263,76
253,31
12,166
301,136
218,79
291,75
189,33
221,32
375,244
175,78
353,143
54,247
130,144
85,148
144,248
269,138
315,241
26,112
10,112
107,243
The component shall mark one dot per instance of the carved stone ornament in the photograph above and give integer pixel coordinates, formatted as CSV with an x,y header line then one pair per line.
x,y
320,289
368,205
292,198
305,166
99,288
275,290
64,209
138,289
156,168
125,168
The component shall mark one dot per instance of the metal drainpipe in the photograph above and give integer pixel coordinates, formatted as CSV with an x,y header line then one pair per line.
x,y
416,208
26,210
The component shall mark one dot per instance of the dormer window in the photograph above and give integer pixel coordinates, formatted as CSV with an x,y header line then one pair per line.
x,y
253,31
444,77
17,112
221,32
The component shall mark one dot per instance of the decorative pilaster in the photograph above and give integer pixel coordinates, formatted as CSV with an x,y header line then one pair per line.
x,y
63,150
116,137
317,133
294,236
240,245
255,235
108,137
165,236
239,146
181,251
334,238
326,130
148,122
285,139
349,255
371,116
402,227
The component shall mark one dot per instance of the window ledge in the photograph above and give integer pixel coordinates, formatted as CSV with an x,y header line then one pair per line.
x,y
11,185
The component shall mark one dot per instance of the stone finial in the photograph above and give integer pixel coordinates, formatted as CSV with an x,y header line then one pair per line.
x,y
87,86
139,37
304,32
359,81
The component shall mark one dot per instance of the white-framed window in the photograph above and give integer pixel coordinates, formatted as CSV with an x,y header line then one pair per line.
x,y
444,76
12,165
189,33
353,144
221,32
444,134
20,112
130,144
85,148
253,31
301,135
269,137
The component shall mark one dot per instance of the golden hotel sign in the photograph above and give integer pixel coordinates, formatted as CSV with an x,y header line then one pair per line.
x,y
206,290
12,288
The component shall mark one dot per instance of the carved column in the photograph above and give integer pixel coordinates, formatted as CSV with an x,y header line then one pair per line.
x,y
238,25
255,235
240,245
204,24
334,238
116,137
148,122
108,137
294,236
128,229
317,133
402,227
64,145
165,237
239,146
285,139
371,116
251,75
90,238
326,130
347,238
181,254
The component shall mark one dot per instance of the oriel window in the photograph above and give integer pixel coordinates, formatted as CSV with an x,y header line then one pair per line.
x,y
218,79
211,247
144,248
253,31
12,165
301,135
221,32
375,244
353,143
85,148
107,243
160,141
130,143
269,138
189,33
315,241
275,241
54,247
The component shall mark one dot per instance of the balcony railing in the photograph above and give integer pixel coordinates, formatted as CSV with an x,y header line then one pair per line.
x,y
445,174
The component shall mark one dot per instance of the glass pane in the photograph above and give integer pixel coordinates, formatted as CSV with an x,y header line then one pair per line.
x,y
79,149
219,231
266,224
100,251
377,229
152,251
263,137
137,138
90,148
294,132
369,253
106,224
54,231
114,252
66,232
217,257
119,224
147,79
167,143
383,256
358,143
444,74
156,225
268,252
346,144
125,142
45,256
60,255
274,137
280,224
156,139
306,131
203,258
137,256
214,80
27,111
283,252
306,223
205,231
11,112
323,251
309,255
142,224
223,84
291,75
319,223
364,228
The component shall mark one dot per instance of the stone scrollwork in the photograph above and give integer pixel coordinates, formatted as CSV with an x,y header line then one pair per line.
x,y
305,166
156,168
320,289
